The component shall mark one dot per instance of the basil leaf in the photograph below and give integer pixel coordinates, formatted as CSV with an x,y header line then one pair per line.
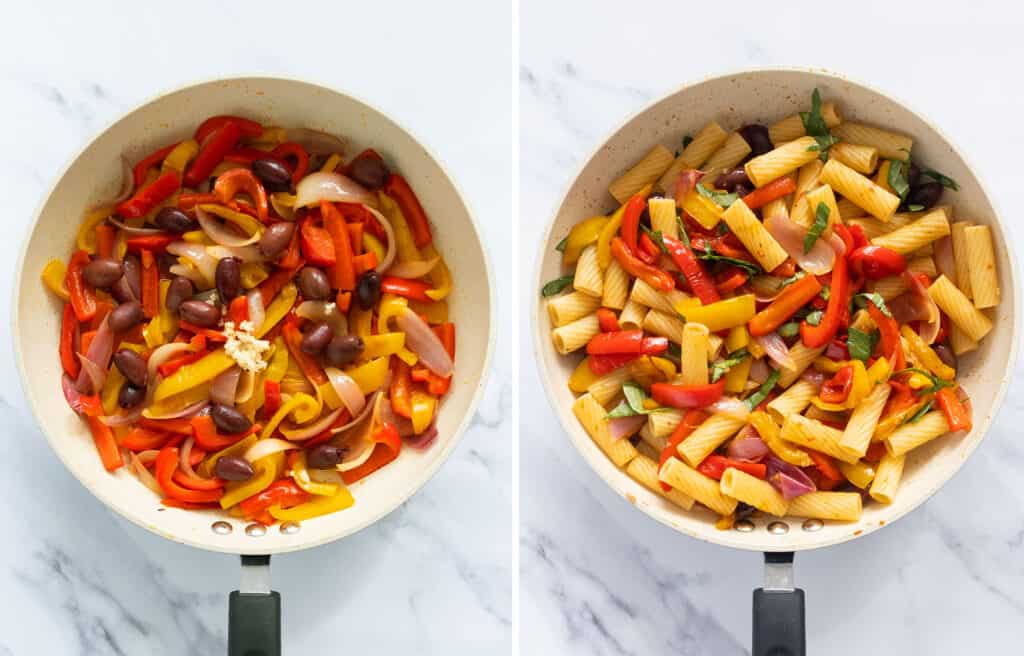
x,y
720,198
820,223
656,237
815,126
861,344
791,329
634,403
674,352
711,256
937,383
719,369
621,410
826,292
792,279
814,318
944,180
922,411
762,392
562,244
687,140
862,301
556,285
898,178
683,235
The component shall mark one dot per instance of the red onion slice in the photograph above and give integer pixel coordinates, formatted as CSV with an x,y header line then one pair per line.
x,y
185,457
370,405
206,263
776,350
188,411
358,456
837,244
790,236
312,430
747,449
730,406
685,183
623,427
188,272
759,371
250,253
422,341
944,261
136,232
332,187
162,354
389,416
96,360
122,420
268,447
224,386
766,288
814,376
413,269
71,394
246,386
424,439
145,477
257,313
788,479
389,256
222,234
930,329
347,390
324,311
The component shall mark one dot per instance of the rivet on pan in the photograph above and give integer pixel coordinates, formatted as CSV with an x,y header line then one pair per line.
x,y
290,528
221,528
744,526
255,530
813,525
778,528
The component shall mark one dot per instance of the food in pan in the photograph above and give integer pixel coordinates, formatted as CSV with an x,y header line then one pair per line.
x,y
256,322
770,319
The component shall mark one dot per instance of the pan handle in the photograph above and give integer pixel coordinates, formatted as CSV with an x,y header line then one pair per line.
x,y
779,610
254,612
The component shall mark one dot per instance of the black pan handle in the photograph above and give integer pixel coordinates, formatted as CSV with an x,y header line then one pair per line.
x,y
779,610
254,612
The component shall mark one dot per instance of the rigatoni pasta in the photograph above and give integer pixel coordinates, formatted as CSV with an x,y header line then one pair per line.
x,y
646,171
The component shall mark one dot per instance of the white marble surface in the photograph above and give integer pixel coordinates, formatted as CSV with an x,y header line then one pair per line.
x,y
435,577
599,577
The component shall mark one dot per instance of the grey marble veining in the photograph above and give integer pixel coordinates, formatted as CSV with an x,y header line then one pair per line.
x,y
435,576
599,577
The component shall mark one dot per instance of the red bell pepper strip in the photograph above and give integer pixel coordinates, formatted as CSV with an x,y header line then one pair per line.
x,y
696,277
355,236
141,169
189,201
169,367
874,262
245,126
247,155
365,262
438,385
607,321
957,414
342,273
106,445
154,243
631,221
837,350
785,270
276,281
847,237
826,465
771,191
212,152
623,341
837,388
196,483
271,398
283,492
309,366
889,343
838,304
400,393
714,466
901,398
209,333
389,444
687,396
402,193
238,310
166,465
602,364
291,149
141,438
231,182
147,198
414,289
68,338
205,433
316,245
860,238
83,299
792,298
344,301
876,451
730,279
105,237
653,276
691,420
150,285
648,251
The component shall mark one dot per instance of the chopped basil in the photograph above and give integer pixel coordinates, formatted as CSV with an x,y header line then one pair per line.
x,y
898,177
861,344
712,256
820,223
720,198
683,235
944,180
862,301
556,285
656,237
826,292
687,140
718,369
793,278
937,383
562,244
634,403
815,126
762,392
790,329
922,411
722,228
915,208
814,318
674,352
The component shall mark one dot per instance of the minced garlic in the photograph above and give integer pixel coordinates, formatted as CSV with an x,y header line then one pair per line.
x,y
243,347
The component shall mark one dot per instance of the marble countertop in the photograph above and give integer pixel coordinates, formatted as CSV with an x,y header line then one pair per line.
x,y
79,580
598,577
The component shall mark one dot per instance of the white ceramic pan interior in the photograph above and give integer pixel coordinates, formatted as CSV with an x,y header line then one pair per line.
x,y
94,175
766,96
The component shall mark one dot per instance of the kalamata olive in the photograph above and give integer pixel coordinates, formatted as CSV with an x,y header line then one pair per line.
x,y
275,239
125,316
179,291
228,419
757,138
314,284
325,456
925,195
741,190
730,179
368,289
228,278
102,272
343,349
913,175
199,313
130,396
273,174
369,172
164,262
131,364
233,468
122,291
174,220
316,338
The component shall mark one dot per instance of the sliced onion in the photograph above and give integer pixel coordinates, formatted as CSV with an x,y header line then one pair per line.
x,y
315,142
788,479
730,406
127,184
685,183
944,261
334,187
324,311
91,378
145,477
790,236
747,449
257,313
422,341
267,447
222,234
388,415
246,386
370,405
389,256
424,439
206,263
224,386
930,329
148,457
326,476
136,232
188,411
814,376
190,273
776,350
837,244
621,427
766,288
96,360
72,395
414,268
250,253
312,430
347,390
122,420
162,354
759,371
185,457
357,457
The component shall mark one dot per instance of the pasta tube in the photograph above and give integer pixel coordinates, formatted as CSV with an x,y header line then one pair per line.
x,y
632,316
857,434
793,401
752,233
864,193
862,159
887,478
815,435
982,257
663,216
696,485
707,141
933,225
960,310
728,156
589,278
890,145
782,160
570,307
591,414
753,491
644,470
711,434
615,288
960,259
792,127
646,171
576,334
838,506
912,435
693,361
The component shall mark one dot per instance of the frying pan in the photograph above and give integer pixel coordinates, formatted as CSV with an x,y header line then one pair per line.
x,y
765,96
254,610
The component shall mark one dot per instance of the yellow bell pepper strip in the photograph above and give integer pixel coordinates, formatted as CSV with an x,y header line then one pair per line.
x,y
370,376
859,473
329,396
769,432
582,377
284,204
404,242
706,212
666,367
175,404
300,473
256,399
332,163
237,449
925,355
265,472
439,276
390,307
179,158
373,245
86,239
278,363
611,228
191,375
152,333
423,407
828,365
53,277
283,492
111,389
278,309
253,274
315,507
389,445
736,377
360,322
301,402
247,224
376,346
581,235
878,372
724,314
168,319
435,312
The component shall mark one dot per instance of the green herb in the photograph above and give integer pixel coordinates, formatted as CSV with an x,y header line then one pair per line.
x,y
815,126
562,244
720,198
944,180
712,256
790,329
556,285
916,417
898,178
687,140
826,292
861,344
820,223
814,318
722,229
718,369
915,208
683,235
792,279
674,352
937,383
762,392
634,403
862,301
656,237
